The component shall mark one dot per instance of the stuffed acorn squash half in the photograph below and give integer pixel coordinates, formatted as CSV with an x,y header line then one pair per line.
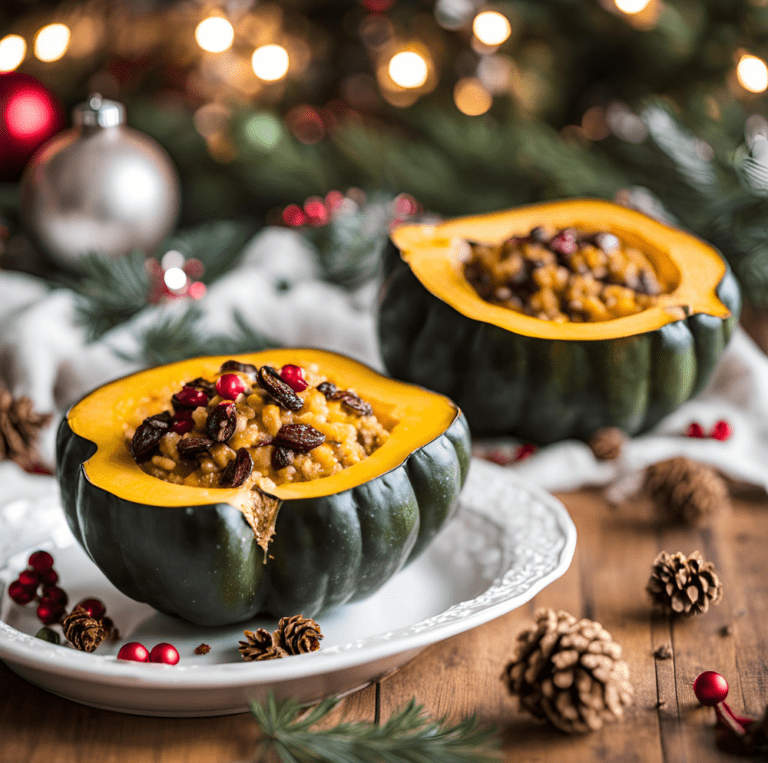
x,y
550,321
287,481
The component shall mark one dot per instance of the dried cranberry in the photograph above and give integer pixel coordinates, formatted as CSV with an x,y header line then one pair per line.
x,y
238,470
183,421
293,376
564,243
282,457
243,368
327,388
189,447
299,437
29,578
145,440
221,422
203,385
21,594
526,450
189,397
352,403
229,386
278,390
40,561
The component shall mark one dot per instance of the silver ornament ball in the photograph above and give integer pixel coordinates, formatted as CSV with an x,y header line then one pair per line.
x,y
99,187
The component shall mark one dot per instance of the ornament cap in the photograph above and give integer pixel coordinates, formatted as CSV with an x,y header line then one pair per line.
x,y
99,112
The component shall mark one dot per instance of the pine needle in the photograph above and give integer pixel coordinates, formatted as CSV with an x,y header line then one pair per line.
x,y
409,736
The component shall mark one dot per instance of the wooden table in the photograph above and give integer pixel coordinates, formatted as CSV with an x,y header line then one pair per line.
x,y
459,676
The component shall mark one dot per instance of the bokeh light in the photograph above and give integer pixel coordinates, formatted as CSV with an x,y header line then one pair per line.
x,y
752,74
270,62
175,279
12,51
51,42
632,6
491,27
28,115
215,34
471,98
408,69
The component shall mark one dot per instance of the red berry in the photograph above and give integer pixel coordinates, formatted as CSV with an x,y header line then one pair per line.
x,y
133,651
52,594
165,653
229,386
695,430
20,593
94,608
189,397
49,577
50,612
721,431
524,451
29,578
41,561
564,243
710,688
183,422
293,376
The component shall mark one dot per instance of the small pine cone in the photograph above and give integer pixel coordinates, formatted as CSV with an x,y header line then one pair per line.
x,y
20,428
298,634
569,671
82,631
686,491
606,443
684,586
260,645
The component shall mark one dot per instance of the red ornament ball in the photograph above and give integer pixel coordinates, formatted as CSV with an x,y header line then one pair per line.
x,y
165,653
50,612
293,376
20,593
94,608
710,688
41,561
229,386
29,116
526,450
134,652
721,431
29,578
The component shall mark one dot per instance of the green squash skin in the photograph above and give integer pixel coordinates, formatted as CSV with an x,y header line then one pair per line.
x,y
202,563
541,390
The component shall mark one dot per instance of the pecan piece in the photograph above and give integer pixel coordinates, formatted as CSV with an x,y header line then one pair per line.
x,y
278,390
238,470
299,437
189,447
352,402
148,434
282,457
235,365
222,421
327,388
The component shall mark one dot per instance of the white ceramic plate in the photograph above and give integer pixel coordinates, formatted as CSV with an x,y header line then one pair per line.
x,y
509,540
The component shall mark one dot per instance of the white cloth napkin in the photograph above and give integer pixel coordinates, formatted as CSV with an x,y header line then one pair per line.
x,y
44,354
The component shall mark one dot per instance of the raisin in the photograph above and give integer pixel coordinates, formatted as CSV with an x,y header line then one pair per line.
x,y
278,390
191,446
282,457
160,420
238,470
352,403
222,421
243,368
299,437
327,388
203,385
148,435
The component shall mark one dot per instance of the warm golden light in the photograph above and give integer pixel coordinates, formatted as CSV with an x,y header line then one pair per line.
x,y
491,28
270,62
51,42
632,6
471,98
408,69
12,52
752,74
215,34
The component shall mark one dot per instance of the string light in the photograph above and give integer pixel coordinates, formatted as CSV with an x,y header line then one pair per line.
x,y
51,42
215,34
408,69
631,7
471,98
491,28
12,51
270,62
752,74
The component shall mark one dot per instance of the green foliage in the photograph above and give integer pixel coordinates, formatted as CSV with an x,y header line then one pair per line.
x,y
409,736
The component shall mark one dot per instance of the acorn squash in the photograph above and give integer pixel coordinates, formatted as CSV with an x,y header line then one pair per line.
x,y
539,380
199,553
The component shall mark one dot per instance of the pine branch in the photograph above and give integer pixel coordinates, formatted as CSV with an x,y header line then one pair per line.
x,y
409,736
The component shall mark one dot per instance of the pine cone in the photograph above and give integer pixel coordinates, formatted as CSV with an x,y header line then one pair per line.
x,y
684,586
298,634
686,491
19,428
569,671
82,631
260,645
606,443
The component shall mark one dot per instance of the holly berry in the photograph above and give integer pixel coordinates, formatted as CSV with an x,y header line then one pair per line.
x,y
52,594
41,561
183,422
189,397
20,593
29,578
695,430
133,651
49,577
710,688
229,386
721,431
94,608
50,612
165,653
293,376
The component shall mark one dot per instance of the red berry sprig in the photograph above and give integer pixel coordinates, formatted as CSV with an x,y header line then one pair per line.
x,y
40,575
